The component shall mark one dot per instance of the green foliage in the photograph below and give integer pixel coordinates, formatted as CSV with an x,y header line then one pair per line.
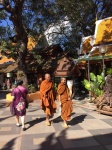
x,y
32,88
55,87
9,49
22,18
92,77
37,15
95,85
99,79
86,84
109,71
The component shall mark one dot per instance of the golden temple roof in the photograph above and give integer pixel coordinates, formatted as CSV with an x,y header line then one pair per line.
x,y
103,35
103,31
86,46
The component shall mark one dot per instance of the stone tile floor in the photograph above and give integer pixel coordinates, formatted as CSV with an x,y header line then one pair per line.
x,y
87,130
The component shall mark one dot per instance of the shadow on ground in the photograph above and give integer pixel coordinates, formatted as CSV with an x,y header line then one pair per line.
x,y
76,144
73,121
61,142
9,145
2,119
77,120
36,121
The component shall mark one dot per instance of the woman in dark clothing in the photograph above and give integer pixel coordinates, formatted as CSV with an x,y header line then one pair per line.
x,y
19,94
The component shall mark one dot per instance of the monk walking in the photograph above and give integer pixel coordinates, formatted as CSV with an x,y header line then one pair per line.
x,y
65,101
48,98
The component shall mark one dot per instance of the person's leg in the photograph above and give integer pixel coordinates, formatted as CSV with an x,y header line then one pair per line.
x,y
47,120
17,120
47,117
65,124
23,121
63,116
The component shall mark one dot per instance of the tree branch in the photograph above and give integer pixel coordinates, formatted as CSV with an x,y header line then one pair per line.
x,y
7,6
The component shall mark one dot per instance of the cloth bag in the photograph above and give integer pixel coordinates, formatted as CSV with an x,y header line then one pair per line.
x,y
21,106
24,99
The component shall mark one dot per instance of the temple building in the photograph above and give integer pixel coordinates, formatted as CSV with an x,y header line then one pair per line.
x,y
91,45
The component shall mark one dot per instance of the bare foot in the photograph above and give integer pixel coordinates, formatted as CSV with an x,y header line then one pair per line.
x,y
65,125
48,123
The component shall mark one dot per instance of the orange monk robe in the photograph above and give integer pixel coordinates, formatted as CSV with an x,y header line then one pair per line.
x,y
47,97
66,105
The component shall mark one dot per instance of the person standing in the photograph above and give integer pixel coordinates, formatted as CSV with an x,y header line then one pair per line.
x,y
47,94
8,84
39,81
18,93
65,101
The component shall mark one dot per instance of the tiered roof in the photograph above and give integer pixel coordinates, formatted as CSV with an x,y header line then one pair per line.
x,y
103,35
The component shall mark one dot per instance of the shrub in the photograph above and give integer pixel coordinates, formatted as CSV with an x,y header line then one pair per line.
x,y
32,88
95,85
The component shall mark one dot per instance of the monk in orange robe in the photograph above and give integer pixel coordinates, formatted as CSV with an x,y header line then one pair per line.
x,y
65,101
48,97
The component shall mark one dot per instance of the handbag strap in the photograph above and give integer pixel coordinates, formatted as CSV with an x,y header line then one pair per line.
x,y
21,94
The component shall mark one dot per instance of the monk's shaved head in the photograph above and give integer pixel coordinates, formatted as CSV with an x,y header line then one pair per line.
x,y
63,80
47,76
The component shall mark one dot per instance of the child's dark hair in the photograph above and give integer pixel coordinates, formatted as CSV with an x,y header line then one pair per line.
x,y
19,82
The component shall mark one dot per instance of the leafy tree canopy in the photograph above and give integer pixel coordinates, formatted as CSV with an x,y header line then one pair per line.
x,y
69,20
34,17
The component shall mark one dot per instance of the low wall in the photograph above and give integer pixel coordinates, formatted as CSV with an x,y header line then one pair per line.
x,y
30,97
33,96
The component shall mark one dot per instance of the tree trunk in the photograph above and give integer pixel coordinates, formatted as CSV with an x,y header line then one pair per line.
x,y
21,39
22,68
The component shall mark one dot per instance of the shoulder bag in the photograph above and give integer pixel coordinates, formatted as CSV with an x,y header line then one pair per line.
x,y
23,99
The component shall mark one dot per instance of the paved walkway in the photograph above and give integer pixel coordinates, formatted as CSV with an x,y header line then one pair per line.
x,y
84,103
87,130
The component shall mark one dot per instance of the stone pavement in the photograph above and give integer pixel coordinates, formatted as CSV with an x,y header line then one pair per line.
x,y
84,103
87,130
